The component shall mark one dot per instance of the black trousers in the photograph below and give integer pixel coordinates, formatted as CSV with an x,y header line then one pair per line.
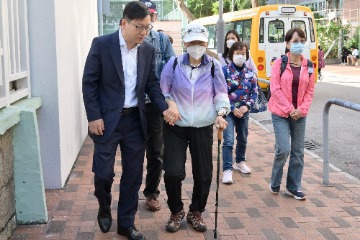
x,y
176,141
343,59
154,150
128,134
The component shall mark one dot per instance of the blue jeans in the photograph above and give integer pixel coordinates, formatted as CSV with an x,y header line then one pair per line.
x,y
286,130
241,127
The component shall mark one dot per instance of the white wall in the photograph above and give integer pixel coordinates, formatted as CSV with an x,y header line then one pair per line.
x,y
76,26
60,35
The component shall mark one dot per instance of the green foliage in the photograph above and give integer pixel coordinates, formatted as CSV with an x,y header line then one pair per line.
x,y
354,40
200,8
213,6
327,32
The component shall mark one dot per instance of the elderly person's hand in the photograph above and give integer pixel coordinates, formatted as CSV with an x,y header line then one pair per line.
x,y
171,115
220,123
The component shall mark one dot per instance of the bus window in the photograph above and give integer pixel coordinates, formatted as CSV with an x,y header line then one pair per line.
x,y
229,26
261,31
276,31
244,30
311,28
212,37
299,24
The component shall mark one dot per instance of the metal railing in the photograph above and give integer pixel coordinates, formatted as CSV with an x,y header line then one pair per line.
x,y
14,52
328,104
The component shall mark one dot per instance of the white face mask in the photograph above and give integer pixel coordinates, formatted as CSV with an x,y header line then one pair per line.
x,y
239,60
230,42
196,51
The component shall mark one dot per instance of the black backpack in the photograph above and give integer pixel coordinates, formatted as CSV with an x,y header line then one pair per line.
x,y
212,67
284,61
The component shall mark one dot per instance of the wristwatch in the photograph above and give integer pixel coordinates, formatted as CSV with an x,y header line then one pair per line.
x,y
248,105
222,112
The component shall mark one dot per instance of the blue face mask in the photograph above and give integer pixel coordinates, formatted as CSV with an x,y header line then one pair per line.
x,y
297,48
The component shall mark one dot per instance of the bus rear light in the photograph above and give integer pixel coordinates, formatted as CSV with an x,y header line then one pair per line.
x,y
314,65
260,59
261,67
313,58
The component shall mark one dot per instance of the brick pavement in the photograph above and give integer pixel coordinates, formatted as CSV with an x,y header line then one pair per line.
x,y
247,210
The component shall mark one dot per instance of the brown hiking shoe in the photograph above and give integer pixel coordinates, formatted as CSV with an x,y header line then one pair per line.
x,y
196,221
174,221
152,204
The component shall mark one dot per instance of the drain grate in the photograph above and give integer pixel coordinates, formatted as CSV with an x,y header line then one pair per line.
x,y
312,145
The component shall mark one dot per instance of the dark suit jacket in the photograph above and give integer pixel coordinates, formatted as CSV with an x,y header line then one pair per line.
x,y
103,84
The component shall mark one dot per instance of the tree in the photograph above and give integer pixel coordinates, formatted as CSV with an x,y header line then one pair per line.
x,y
328,32
185,10
203,8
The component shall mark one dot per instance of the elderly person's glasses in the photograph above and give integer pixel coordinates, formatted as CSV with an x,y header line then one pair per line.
x,y
142,28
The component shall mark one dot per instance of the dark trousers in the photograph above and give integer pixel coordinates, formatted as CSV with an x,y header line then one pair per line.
x,y
176,141
343,59
154,150
128,134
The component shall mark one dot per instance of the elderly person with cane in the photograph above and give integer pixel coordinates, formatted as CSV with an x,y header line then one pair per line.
x,y
195,83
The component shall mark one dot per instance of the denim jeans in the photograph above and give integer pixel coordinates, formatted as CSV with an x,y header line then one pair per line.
x,y
241,127
289,140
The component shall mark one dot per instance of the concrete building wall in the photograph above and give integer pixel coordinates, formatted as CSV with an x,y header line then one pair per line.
x,y
60,35
173,29
7,194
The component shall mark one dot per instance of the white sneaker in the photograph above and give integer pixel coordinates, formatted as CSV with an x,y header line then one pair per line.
x,y
241,166
227,177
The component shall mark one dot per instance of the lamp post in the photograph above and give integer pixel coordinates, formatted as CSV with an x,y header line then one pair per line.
x,y
220,26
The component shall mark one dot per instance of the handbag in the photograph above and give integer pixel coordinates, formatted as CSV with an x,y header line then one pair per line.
x,y
260,104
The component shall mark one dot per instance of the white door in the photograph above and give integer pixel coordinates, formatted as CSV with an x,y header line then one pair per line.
x,y
275,30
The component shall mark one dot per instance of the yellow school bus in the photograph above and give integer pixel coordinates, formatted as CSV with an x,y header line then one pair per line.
x,y
263,29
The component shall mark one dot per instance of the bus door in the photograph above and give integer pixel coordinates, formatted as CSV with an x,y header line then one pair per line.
x,y
275,30
274,40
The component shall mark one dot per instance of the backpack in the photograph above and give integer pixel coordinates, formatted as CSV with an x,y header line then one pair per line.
x,y
212,67
284,61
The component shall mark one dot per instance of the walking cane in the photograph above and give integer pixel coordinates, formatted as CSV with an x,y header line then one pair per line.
x,y
219,137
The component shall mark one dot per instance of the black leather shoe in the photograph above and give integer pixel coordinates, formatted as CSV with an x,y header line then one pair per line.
x,y
104,219
131,233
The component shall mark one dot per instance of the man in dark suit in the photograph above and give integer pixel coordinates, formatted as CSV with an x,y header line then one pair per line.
x,y
119,70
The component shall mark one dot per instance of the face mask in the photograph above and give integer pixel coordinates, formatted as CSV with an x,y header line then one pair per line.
x,y
196,51
229,43
239,60
297,48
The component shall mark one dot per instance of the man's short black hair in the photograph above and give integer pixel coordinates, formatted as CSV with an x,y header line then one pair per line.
x,y
135,10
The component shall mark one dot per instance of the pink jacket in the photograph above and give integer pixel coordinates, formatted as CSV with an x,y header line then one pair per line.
x,y
280,102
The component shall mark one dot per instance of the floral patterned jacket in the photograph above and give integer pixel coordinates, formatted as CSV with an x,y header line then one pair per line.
x,y
242,85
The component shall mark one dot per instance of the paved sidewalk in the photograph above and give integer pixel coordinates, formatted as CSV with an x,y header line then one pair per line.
x,y
247,210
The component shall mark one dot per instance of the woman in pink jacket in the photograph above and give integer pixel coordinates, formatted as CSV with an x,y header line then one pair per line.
x,y
291,97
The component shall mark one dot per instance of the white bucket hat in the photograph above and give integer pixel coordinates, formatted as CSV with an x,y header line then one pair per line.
x,y
195,32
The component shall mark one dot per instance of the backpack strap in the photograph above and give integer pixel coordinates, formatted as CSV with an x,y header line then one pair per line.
x,y
284,61
162,45
212,69
175,63
310,65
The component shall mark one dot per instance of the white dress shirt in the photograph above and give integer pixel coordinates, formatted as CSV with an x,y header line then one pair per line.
x,y
129,62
